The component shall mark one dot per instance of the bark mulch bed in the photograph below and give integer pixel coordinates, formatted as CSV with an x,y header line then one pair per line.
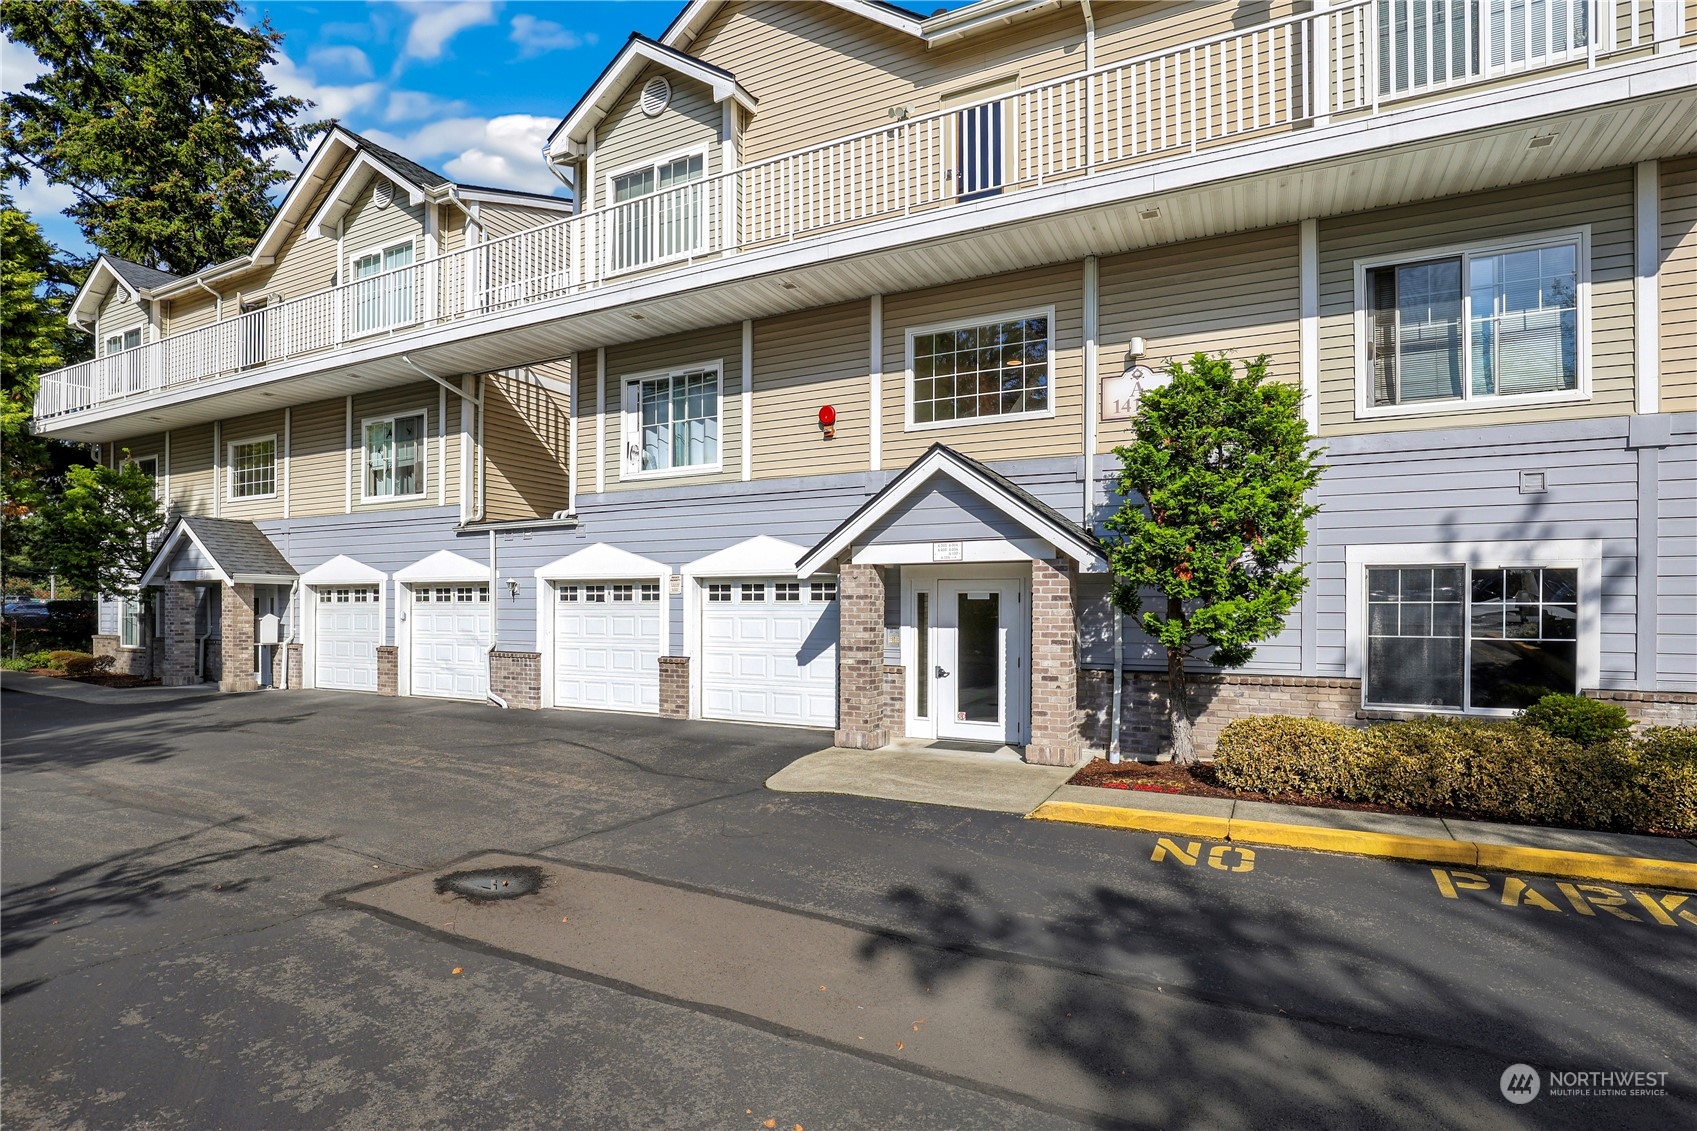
x,y
99,679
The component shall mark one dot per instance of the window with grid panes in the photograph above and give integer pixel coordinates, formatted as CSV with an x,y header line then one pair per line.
x,y
786,591
753,591
985,369
651,591
253,468
824,590
719,591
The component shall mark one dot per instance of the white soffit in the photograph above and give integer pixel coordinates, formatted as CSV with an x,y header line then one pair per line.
x,y
343,570
760,556
444,565
601,562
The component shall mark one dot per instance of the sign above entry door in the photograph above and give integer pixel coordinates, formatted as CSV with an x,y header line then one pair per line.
x,y
946,551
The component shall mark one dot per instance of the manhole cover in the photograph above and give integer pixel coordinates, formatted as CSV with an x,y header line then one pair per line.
x,y
491,883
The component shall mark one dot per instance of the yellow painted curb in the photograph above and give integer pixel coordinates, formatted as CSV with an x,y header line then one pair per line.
x,y
1634,870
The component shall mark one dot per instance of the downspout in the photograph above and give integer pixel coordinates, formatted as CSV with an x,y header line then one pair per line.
x,y
1119,682
494,629
1089,36
218,299
289,636
476,401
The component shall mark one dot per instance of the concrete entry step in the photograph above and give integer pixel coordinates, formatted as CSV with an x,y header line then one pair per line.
x,y
1001,784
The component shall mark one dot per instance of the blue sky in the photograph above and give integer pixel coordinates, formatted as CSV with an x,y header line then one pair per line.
x,y
471,87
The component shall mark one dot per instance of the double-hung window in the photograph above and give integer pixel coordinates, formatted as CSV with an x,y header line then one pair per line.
x,y
118,343
129,623
978,370
671,422
253,468
1476,326
658,212
394,457
1470,637
382,295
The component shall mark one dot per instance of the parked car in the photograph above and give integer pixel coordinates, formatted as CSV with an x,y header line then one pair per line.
x,y
27,610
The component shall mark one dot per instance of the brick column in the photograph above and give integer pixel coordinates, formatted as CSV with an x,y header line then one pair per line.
x,y
1056,736
517,678
296,665
388,680
861,721
177,621
236,670
674,687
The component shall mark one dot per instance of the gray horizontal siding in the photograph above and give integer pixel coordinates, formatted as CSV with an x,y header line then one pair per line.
x,y
1676,559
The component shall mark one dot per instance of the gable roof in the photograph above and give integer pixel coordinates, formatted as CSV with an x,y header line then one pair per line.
x,y
688,24
638,53
939,27
343,570
602,562
992,486
444,565
409,169
762,555
239,551
136,275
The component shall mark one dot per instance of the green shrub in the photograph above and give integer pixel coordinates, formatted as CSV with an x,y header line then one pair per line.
x,y
37,659
78,663
20,664
1577,718
1486,768
1286,754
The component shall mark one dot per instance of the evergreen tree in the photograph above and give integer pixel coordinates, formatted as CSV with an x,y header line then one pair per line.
x,y
95,533
1212,519
159,117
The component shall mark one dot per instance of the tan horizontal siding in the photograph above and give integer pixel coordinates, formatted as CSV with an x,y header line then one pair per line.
x,y
627,137
525,448
191,470
802,362
1679,284
368,229
1237,294
450,234
1061,286
140,447
585,378
118,314
510,219
1602,200
238,429
317,458
678,351
306,263
190,312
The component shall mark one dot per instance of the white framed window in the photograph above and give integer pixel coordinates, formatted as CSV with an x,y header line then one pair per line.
x,y
657,211
1475,325
149,466
129,623
983,369
595,594
624,592
753,591
118,343
1480,628
394,457
786,591
650,591
672,422
719,592
382,296
568,592
823,590
252,468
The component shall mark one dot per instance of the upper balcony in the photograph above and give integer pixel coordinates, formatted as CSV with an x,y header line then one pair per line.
x,y
1355,62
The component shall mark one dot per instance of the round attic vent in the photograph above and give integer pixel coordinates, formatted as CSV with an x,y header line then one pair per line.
x,y
656,95
382,193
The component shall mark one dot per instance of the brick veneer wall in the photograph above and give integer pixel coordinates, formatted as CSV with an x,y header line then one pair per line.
x,y
388,669
1056,738
176,619
1215,700
861,700
125,661
517,678
296,662
1654,708
895,699
674,687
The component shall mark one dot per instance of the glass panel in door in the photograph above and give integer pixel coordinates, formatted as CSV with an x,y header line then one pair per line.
x,y
979,151
978,657
978,642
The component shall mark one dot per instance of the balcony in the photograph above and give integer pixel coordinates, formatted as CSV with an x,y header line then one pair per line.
x,y
1350,62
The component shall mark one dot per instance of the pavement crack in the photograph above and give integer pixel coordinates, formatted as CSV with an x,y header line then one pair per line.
x,y
644,819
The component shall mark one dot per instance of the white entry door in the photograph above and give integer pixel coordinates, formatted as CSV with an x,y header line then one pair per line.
x,y
347,628
980,669
607,645
450,641
769,651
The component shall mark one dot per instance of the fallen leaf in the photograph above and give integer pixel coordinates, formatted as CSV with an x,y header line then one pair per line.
x,y
567,919
900,1046
770,1123
748,1111
821,989
457,969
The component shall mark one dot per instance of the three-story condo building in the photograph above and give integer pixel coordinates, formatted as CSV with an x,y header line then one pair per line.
x,y
804,412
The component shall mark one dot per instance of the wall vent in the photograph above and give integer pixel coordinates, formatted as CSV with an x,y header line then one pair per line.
x,y
382,193
1533,483
656,95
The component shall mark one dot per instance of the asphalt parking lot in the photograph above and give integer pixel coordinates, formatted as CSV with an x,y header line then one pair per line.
x,y
193,937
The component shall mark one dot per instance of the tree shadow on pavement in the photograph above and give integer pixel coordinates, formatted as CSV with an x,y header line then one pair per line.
x,y
130,883
1189,1012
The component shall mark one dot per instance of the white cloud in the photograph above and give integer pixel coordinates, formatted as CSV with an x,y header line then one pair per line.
x,y
437,23
349,60
416,106
18,66
330,100
503,152
538,37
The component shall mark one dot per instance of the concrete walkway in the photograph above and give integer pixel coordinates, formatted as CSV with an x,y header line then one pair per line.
x,y
52,687
931,777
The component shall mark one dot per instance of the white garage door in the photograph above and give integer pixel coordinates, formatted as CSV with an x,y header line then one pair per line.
x,y
450,641
348,627
769,651
607,645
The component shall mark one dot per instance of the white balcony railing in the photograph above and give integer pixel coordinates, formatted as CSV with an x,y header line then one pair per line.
x,y
1351,59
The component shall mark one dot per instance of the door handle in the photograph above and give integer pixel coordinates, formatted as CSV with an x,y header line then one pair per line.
x,y
941,674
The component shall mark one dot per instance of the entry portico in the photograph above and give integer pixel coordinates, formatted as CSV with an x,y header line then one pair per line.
x,y
958,593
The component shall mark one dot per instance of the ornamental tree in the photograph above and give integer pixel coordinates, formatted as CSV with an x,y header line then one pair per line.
x,y
97,532
1203,548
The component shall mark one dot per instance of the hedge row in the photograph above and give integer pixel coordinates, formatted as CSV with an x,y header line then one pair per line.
x,y
1496,770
